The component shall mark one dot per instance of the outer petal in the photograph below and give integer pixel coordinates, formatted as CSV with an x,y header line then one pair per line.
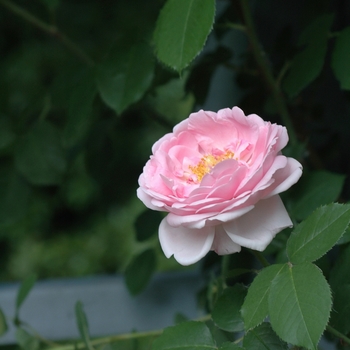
x,y
187,245
286,177
148,200
257,228
223,244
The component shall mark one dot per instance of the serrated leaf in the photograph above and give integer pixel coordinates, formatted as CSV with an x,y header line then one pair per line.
x,y
316,235
80,109
341,58
181,31
299,305
3,324
314,189
308,63
189,335
263,337
125,76
345,238
82,324
24,290
340,284
226,312
139,271
25,340
146,224
255,306
220,336
39,156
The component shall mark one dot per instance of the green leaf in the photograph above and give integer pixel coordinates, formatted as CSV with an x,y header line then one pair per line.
x,y
139,271
80,109
25,340
316,235
226,312
263,337
39,156
255,306
172,101
341,58
300,304
230,346
82,324
24,290
189,335
314,189
340,284
345,238
3,323
308,63
146,224
124,77
181,31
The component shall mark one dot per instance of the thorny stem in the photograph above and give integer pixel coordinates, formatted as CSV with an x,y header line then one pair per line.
x,y
260,58
49,29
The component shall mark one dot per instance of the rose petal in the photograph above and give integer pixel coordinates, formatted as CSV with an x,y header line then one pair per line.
x,y
286,177
187,245
223,244
257,228
149,201
198,221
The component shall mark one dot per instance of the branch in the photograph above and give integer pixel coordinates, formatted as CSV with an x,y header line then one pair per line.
x,y
260,58
49,29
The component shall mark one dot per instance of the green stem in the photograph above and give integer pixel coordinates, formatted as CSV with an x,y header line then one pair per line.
x,y
330,329
236,26
260,58
110,339
225,264
49,29
260,257
115,338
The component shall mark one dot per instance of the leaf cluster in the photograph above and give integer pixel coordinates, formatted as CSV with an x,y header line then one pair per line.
x,y
88,87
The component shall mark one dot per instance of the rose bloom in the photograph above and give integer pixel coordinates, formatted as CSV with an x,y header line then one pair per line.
x,y
218,175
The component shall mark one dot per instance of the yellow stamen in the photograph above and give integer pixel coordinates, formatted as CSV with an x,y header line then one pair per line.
x,y
207,163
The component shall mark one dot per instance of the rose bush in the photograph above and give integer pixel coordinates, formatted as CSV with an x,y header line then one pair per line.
x,y
218,175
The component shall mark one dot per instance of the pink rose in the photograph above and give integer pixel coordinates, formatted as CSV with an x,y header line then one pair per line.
x,y
218,176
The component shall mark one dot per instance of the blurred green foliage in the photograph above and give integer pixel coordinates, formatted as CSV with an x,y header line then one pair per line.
x,y
83,97
69,163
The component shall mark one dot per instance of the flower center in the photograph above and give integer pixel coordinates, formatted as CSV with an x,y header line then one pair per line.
x,y
207,163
